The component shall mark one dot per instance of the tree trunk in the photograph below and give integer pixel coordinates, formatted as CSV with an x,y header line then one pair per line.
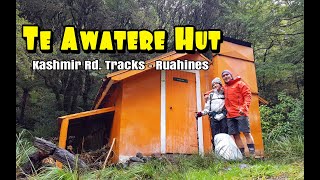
x,y
23,105
77,88
61,155
58,99
46,149
34,163
67,98
68,159
297,83
87,87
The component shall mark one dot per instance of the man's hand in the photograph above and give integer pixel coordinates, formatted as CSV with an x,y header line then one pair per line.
x,y
241,112
198,114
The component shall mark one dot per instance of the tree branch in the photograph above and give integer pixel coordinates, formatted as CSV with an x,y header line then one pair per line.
x,y
292,34
294,17
266,52
287,25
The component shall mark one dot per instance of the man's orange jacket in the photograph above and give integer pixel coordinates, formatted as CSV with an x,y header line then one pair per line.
x,y
237,96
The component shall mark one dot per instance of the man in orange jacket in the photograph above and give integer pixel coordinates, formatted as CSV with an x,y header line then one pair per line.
x,y
237,102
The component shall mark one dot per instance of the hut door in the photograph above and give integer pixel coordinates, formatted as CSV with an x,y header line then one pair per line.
x,y
181,127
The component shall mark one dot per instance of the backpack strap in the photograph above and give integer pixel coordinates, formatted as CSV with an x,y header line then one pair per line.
x,y
210,98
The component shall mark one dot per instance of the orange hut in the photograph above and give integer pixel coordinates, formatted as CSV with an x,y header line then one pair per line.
x,y
152,111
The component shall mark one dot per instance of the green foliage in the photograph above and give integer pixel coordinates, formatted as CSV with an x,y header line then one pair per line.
x,y
24,147
275,29
22,63
56,173
42,113
284,159
285,149
283,119
188,167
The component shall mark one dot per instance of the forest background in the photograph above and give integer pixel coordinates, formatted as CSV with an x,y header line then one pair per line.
x,y
275,29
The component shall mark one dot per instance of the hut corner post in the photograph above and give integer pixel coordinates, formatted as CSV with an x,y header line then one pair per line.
x,y
63,137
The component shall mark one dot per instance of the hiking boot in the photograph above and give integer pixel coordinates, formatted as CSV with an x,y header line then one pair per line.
x,y
251,149
243,152
252,153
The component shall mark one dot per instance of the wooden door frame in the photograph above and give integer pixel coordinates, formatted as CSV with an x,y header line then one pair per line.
x,y
163,111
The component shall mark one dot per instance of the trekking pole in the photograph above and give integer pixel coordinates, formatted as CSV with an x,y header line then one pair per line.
x,y
197,133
